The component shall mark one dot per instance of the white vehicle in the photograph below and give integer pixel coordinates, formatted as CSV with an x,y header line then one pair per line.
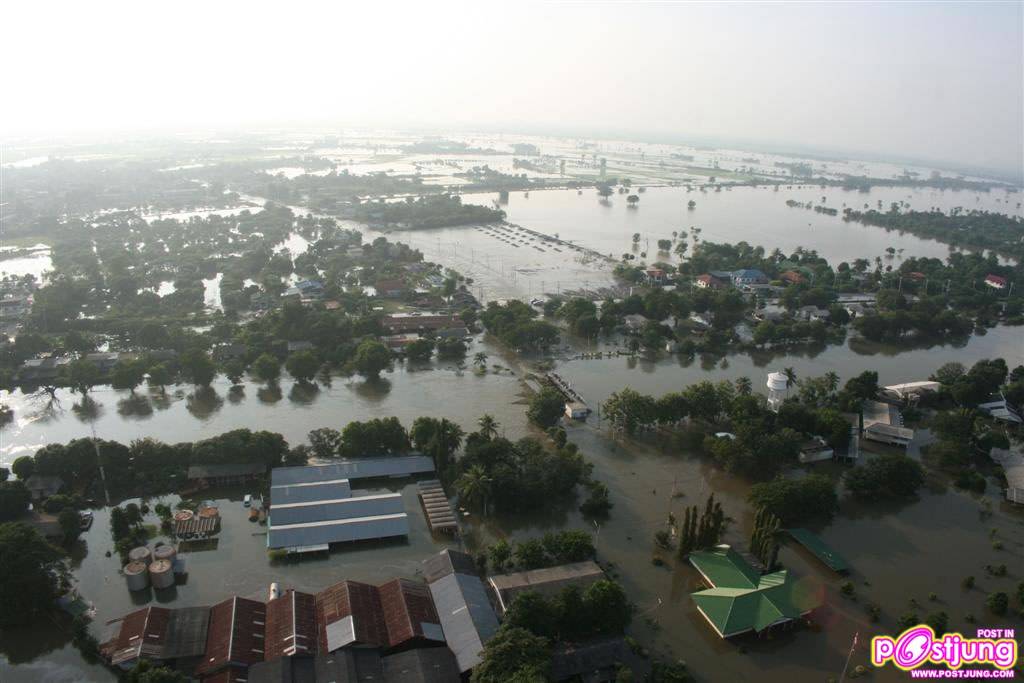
x,y
247,501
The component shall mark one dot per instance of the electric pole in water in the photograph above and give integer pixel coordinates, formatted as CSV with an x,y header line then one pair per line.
x,y
99,463
853,646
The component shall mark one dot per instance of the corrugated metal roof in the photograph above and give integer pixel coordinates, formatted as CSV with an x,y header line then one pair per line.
x,y
343,508
546,581
466,615
236,634
422,665
742,600
338,531
447,562
303,493
291,625
362,468
186,632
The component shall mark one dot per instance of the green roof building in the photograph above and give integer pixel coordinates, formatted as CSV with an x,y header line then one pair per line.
x,y
741,599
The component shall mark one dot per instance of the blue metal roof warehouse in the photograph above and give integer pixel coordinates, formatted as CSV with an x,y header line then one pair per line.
x,y
363,468
314,506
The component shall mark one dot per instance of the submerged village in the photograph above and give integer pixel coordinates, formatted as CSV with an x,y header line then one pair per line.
x,y
366,407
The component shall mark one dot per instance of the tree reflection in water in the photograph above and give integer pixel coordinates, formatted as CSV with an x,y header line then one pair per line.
x,y
269,394
204,402
135,405
88,409
304,392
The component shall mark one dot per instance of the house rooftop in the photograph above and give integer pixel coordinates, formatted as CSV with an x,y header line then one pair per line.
x,y
740,598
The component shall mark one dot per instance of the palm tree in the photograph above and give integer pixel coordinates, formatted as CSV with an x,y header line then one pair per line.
x,y
473,487
790,374
744,386
488,426
480,359
832,379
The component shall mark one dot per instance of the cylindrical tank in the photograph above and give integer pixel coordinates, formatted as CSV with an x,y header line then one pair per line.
x,y
161,573
183,515
777,381
137,576
140,554
164,552
209,512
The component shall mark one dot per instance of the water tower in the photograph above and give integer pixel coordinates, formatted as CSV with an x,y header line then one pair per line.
x,y
778,388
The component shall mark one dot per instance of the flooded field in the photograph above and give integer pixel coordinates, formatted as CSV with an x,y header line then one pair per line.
x,y
757,215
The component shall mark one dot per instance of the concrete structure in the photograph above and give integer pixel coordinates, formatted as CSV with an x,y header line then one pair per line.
x,y
778,389
548,582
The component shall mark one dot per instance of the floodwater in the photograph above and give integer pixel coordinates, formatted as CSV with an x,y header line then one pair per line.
x,y
596,379
35,260
757,215
891,547
412,390
894,549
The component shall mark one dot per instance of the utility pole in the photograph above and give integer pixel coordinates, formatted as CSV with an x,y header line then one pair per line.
x,y
853,646
99,463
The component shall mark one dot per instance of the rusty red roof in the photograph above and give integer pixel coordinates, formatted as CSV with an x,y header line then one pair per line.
x,y
235,635
409,612
291,625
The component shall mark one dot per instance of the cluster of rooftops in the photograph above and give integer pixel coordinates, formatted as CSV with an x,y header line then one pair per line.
x,y
444,621
432,629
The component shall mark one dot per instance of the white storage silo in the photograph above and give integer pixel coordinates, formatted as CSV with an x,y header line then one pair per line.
x,y
137,576
778,388
161,573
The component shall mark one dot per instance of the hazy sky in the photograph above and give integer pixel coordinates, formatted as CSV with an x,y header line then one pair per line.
x,y
930,81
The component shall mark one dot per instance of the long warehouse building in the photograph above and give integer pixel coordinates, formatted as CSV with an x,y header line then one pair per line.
x,y
312,507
